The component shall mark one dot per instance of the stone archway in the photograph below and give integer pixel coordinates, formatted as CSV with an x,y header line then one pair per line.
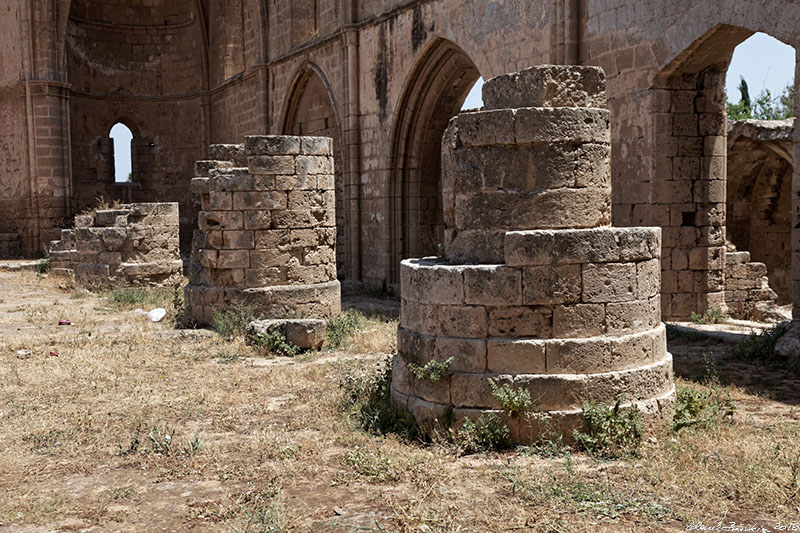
x,y
434,93
690,172
311,111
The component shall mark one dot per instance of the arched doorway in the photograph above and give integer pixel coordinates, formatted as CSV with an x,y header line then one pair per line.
x,y
434,93
311,111
690,172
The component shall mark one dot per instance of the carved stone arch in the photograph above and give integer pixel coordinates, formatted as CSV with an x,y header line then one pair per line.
x,y
310,109
433,93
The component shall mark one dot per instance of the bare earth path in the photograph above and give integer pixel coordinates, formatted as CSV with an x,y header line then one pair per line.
x,y
134,426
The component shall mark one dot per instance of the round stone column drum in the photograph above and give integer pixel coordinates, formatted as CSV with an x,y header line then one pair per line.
x,y
570,307
267,231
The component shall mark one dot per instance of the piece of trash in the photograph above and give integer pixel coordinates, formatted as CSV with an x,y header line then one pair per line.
x,y
157,315
24,353
54,354
338,510
65,322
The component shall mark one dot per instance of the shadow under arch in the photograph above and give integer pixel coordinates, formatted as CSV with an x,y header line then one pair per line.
x,y
689,125
433,93
310,109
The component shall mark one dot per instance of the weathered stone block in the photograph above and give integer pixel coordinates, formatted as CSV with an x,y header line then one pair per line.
x,y
492,286
514,356
307,334
548,285
547,86
609,282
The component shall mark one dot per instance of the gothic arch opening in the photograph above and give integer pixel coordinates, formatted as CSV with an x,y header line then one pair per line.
x,y
690,169
435,92
311,111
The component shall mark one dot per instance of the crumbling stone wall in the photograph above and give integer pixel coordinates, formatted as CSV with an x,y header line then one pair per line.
x,y
267,229
759,196
747,292
134,244
535,289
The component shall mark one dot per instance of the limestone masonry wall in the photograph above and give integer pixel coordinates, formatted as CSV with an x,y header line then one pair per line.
x,y
570,308
267,229
9,245
134,244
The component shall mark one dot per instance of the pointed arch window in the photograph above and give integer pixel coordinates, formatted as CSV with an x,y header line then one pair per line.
x,y
122,137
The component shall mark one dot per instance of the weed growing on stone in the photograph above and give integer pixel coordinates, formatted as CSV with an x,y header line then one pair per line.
x,y
760,346
487,433
262,510
515,402
432,370
610,433
713,315
274,343
702,409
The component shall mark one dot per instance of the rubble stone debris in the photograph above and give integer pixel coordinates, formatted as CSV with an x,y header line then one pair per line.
x,y
267,229
748,295
535,289
133,244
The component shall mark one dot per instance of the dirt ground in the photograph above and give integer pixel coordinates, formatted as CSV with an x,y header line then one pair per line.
x,y
135,426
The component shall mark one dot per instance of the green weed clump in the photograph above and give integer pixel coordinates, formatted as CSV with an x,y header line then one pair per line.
x,y
342,328
273,342
760,346
610,432
487,433
368,401
233,320
432,370
515,402
702,409
713,315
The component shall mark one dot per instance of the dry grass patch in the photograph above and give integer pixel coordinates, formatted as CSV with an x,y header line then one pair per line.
x,y
280,444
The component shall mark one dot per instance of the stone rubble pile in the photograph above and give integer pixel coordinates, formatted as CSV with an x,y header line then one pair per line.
x,y
133,244
748,295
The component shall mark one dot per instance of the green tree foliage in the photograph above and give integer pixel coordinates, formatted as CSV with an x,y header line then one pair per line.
x,y
764,107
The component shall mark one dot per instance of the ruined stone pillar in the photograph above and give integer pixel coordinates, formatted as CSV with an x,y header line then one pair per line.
x,y
535,289
267,229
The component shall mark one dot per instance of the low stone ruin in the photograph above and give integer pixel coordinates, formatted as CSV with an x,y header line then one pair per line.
x,y
535,290
267,230
748,295
133,244
9,245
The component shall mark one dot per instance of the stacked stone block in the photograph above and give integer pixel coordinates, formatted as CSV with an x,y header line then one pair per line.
x,y
747,291
9,245
535,289
267,230
134,244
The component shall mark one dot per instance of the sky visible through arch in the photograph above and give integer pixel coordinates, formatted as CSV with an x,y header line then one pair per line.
x,y
122,152
765,63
